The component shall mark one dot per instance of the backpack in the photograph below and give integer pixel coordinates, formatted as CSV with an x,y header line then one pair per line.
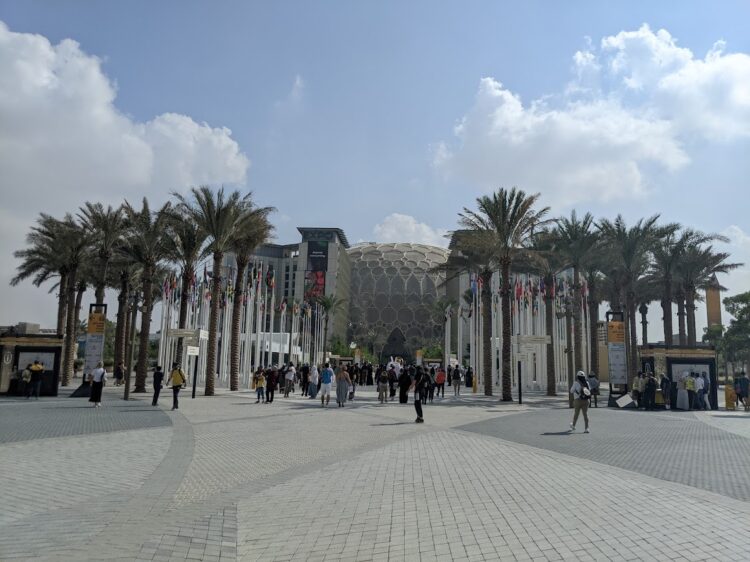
x,y
383,378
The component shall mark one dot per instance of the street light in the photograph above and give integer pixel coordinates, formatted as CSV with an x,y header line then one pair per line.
x,y
134,297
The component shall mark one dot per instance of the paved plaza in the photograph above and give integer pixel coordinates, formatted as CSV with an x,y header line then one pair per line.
x,y
224,478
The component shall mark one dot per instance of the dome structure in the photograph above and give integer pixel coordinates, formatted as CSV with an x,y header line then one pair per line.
x,y
394,292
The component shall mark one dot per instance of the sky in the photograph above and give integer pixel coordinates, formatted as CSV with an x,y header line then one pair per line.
x,y
385,119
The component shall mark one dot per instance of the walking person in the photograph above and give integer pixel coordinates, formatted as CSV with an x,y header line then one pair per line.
x,y
421,381
594,386
456,381
440,383
158,379
36,379
392,382
260,386
119,373
431,385
706,390
326,380
272,381
343,382
743,387
649,392
289,378
699,393
581,394
176,380
312,385
97,378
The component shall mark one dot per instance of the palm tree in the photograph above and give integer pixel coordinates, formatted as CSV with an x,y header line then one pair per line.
x,y
666,256
628,250
545,261
145,245
185,244
577,242
696,270
254,231
220,217
106,227
44,259
473,253
508,219
330,305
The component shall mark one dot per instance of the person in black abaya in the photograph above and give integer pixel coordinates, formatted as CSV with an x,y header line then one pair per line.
x,y
404,383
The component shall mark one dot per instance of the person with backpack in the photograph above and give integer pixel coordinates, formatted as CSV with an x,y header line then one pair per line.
x,y
431,386
177,380
392,380
457,381
581,395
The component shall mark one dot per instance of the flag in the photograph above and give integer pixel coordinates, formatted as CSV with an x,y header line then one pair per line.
x,y
270,281
448,312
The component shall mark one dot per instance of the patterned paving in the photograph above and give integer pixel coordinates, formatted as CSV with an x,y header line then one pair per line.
x,y
676,446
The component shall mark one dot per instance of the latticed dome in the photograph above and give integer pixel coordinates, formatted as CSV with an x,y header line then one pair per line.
x,y
394,289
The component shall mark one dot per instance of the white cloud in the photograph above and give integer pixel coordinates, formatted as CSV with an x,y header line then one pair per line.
x,y
405,228
587,150
63,141
629,112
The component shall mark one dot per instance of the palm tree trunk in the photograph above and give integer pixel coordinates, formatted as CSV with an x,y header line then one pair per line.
x,y
70,331
593,326
681,318
213,324
507,394
234,362
549,328
690,314
187,277
129,335
122,315
141,371
569,352
62,297
632,335
666,308
487,332
577,324
643,310
80,289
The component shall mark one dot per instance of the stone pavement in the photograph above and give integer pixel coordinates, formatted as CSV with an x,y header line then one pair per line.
x,y
226,479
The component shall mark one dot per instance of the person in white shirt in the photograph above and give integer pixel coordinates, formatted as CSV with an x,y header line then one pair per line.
x,y
581,395
700,389
97,378
289,377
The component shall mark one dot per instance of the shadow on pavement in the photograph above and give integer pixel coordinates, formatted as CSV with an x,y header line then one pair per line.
x,y
566,433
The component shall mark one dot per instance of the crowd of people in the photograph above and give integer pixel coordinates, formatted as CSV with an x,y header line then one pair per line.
x,y
390,380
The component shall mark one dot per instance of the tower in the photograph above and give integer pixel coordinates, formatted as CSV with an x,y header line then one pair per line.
x,y
713,302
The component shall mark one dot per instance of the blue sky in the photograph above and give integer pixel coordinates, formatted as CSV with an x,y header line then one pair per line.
x,y
346,112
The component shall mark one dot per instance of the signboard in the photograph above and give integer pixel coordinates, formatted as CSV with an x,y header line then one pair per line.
x,y
178,333
94,339
192,350
615,332
419,357
317,255
97,323
531,340
618,361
